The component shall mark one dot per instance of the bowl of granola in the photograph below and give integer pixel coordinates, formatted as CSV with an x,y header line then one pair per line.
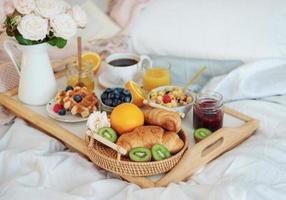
x,y
172,98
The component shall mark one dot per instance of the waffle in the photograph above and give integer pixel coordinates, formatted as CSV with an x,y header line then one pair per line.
x,y
87,105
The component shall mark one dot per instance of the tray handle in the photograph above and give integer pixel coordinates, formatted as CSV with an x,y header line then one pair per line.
x,y
210,148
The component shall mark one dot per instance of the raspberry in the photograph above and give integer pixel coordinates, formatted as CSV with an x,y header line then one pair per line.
x,y
57,108
167,99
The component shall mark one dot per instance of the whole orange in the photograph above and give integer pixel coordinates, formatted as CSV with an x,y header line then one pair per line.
x,y
126,117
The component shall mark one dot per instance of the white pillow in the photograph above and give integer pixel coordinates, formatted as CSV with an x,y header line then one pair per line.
x,y
212,29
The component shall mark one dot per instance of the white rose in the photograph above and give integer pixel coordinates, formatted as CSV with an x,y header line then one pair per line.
x,y
78,15
49,8
33,27
64,26
24,6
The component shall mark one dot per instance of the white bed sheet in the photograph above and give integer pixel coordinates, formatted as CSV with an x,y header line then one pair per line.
x,y
35,166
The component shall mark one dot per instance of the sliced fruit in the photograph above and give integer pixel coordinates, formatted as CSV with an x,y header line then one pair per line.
x,y
140,154
160,152
137,93
126,117
201,133
108,133
93,58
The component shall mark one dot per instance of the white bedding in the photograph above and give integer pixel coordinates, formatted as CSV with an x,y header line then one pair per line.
x,y
35,166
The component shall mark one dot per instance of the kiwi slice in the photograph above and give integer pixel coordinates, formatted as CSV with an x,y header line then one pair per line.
x,y
201,134
160,152
108,133
140,154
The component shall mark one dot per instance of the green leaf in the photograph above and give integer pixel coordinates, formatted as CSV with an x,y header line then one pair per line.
x,y
57,41
61,43
22,40
53,41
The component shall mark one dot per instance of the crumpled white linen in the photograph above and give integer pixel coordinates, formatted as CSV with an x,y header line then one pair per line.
x,y
257,79
35,166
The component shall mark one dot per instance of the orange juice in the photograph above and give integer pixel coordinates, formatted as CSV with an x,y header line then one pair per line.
x,y
155,77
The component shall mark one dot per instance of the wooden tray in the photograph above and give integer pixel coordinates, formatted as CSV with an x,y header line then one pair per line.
x,y
194,157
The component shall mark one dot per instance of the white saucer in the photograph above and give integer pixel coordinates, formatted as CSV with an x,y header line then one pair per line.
x,y
63,118
105,82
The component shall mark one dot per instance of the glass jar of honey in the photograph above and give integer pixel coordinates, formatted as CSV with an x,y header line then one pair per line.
x,y
80,76
208,111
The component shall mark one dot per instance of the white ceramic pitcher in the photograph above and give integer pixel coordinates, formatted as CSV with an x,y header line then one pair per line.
x,y
37,81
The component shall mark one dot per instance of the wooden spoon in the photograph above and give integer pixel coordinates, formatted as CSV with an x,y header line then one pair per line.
x,y
195,77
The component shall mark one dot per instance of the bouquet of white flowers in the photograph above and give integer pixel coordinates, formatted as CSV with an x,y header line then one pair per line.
x,y
39,21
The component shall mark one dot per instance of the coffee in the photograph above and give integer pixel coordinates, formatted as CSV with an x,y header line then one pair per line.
x,y
123,62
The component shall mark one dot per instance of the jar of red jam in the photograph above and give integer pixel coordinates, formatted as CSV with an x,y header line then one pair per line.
x,y
208,111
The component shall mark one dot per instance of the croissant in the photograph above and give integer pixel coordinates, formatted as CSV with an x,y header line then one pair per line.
x,y
169,120
147,136
172,142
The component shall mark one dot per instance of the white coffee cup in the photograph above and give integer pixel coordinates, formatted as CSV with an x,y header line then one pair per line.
x,y
121,74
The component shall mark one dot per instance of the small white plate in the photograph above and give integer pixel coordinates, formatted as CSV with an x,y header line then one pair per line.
x,y
63,118
105,82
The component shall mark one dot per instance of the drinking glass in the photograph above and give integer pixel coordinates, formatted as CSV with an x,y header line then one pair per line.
x,y
158,75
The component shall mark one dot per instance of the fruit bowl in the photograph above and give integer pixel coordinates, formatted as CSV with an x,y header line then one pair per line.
x,y
112,97
107,158
180,108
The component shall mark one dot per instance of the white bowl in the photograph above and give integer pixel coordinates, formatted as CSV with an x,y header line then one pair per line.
x,y
181,109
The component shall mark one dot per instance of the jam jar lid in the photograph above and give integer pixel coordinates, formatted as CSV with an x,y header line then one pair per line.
x,y
209,101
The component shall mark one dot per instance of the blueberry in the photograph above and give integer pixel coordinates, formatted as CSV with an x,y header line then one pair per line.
x,y
126,92
115,103
117,96
119,89
116,91
104,96
62,112
104,101
122,97
108,102
119,101
110,96
127,99
77,98
69,88
108,90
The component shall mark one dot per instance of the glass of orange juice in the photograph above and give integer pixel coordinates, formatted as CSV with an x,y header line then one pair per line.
x,y
81,77
156,76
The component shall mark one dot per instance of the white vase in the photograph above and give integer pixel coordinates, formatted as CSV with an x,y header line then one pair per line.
x,y
37,81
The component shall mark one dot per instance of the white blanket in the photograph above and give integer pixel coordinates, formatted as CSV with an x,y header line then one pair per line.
x,y
35,166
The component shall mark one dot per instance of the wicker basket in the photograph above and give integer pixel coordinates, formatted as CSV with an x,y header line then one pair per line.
x,y
107,159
